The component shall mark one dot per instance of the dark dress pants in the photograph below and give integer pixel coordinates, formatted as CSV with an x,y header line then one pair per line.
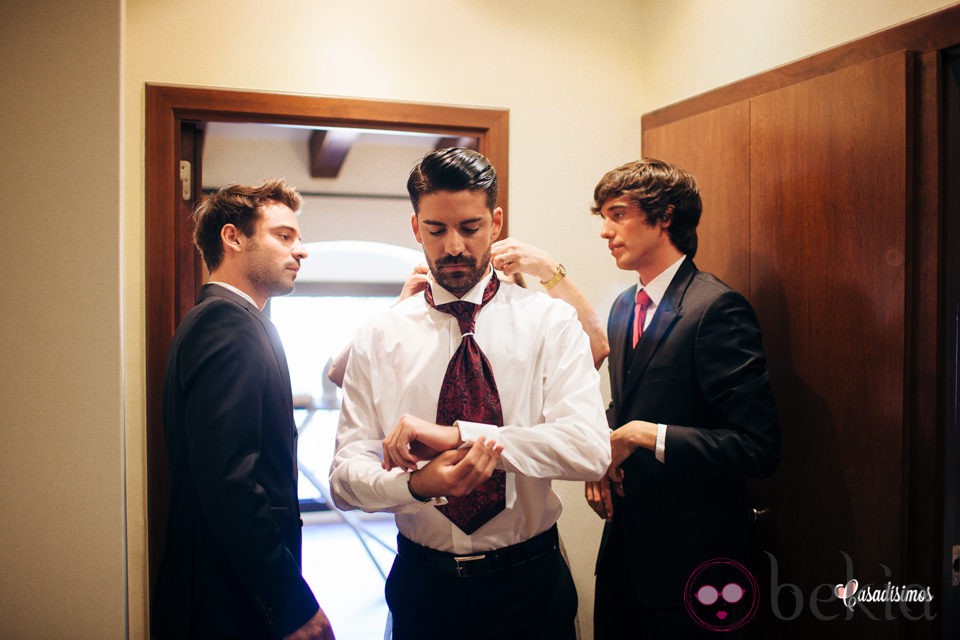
x,y
535,600
620,614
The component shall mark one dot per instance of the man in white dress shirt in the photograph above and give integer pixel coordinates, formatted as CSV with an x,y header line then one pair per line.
x,y
502,577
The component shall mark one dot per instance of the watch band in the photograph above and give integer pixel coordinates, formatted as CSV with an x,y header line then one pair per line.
x,y
557,277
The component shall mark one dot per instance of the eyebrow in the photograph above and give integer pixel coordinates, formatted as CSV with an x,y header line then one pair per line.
x,y
437,223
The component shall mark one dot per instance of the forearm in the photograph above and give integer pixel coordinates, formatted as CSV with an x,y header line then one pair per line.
x,y
567,291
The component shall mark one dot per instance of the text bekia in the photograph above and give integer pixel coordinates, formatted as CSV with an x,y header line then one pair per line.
x,y
886,602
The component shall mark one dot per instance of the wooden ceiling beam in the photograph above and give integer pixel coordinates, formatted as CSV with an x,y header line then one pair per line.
x,y
447,142
328,150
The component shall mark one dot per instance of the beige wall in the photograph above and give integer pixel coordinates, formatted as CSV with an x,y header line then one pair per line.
x,y
699,45
62,558
576,77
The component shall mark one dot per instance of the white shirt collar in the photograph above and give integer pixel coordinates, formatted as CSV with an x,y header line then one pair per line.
x,y
240,293
657,287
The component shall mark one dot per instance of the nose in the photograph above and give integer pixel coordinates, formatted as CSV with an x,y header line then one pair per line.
x,y
454,245
606,229
299,251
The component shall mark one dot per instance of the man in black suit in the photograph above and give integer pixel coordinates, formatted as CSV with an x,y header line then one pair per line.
x,y
231,568
692,411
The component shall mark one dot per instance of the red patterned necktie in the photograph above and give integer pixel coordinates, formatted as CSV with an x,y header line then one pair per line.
x,y
469,392
640,315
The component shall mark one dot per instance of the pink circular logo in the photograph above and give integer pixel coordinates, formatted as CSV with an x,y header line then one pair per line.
x,y
721,595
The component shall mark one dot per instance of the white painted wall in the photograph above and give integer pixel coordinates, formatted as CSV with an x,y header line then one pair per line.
x,y
576,77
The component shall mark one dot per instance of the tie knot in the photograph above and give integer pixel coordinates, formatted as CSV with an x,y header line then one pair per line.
x,y
464,312
643,299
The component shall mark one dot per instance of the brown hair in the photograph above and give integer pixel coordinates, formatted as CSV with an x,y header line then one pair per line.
x,y
662,191
238,205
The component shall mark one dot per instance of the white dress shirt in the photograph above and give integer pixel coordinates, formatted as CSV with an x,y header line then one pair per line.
x,y
554,425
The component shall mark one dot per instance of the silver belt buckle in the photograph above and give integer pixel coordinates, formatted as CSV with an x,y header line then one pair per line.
x,y
462,560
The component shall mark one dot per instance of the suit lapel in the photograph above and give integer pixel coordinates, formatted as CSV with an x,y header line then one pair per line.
x,y
666,315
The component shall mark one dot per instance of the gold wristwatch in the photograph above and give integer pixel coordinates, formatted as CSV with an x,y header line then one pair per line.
x,y
557,277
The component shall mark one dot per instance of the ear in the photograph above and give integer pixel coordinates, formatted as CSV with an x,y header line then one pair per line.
x,y
230,236
667,218
497,223
415,225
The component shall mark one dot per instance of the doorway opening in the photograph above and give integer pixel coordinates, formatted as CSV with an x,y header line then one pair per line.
x,y
178,119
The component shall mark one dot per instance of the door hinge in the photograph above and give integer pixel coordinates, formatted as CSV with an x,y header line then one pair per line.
x,y
185,182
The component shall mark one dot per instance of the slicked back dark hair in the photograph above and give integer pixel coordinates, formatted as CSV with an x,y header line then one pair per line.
x,y
238,205
453,169
662,191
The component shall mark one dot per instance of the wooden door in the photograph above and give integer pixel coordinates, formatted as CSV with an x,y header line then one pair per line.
x,y
829,210
806,200
715,147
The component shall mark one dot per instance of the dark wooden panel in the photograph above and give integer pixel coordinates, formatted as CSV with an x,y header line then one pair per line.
x,y
715,148
829,210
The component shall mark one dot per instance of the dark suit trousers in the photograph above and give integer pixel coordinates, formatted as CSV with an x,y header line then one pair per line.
x,y
536,600
620,614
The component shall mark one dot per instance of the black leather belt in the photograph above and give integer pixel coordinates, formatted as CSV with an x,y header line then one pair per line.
x,y
484,563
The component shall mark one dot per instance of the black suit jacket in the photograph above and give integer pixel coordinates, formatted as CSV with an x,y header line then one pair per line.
x,y
700,369
231,567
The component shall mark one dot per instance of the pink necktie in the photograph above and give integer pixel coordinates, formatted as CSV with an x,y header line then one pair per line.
x,y
469,392
640,315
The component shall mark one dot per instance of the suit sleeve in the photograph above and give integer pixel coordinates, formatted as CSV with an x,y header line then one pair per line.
x,y
224,377
731,368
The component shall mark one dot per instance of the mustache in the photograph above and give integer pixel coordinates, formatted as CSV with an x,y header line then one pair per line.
x,y
449,261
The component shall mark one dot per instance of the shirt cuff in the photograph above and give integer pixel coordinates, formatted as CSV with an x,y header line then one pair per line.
x,y
661,441
438,501
397,489
470,432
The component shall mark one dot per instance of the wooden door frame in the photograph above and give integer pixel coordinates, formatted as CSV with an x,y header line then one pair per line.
x,y
167,106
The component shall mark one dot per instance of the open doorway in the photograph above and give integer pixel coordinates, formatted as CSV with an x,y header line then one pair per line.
x,y
355,227
182,122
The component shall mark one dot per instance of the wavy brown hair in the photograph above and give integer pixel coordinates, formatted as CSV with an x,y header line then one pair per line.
x,y
238,205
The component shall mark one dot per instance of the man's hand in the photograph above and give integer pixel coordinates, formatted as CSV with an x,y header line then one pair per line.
x,y
457,472
415,283
624,441
600,497
512,256
316,628
412,440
